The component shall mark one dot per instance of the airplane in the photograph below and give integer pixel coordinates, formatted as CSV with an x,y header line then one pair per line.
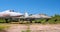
x,y
10,13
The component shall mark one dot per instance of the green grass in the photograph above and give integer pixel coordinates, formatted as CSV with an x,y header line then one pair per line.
x,y
2,26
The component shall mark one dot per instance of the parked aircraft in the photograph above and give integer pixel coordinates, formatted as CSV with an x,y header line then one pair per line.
x,y
9,13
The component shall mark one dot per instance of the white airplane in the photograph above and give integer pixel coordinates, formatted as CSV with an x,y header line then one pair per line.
x,y
9,13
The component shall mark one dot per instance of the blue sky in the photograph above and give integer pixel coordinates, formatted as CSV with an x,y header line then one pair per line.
x,y
49,7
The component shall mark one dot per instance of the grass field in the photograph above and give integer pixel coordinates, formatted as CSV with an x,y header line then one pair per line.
x,y
3,27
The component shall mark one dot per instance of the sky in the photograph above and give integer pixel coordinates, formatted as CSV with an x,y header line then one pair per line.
x,y
49,7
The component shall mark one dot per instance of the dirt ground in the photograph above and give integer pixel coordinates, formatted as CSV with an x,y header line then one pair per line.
x,y
33,27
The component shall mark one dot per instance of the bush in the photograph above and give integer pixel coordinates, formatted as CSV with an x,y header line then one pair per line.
x,y
33,21
2,21
51,21
38,21
58,22
43,22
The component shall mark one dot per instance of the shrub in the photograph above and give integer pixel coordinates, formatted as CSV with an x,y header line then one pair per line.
x,y
2,20
33,21
51,21
58,22
43,21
